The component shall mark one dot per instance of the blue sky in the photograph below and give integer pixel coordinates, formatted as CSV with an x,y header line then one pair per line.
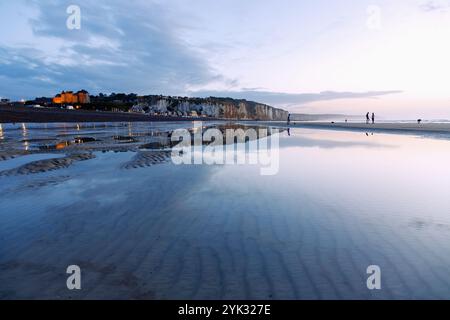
x,y
339,56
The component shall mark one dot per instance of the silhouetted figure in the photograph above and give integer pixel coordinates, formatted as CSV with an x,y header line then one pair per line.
x,y
289,119
419,121
373,118
289,132
367,118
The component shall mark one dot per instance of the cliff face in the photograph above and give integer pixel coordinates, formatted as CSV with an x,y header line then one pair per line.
x,y
212,107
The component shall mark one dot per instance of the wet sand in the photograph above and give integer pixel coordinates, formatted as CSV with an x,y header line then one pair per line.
x,y
142,228
45,115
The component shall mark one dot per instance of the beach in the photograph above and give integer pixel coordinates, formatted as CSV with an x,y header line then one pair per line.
x,y
52,115
141,227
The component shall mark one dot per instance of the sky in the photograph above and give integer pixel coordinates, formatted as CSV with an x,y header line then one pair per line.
x,y
342,56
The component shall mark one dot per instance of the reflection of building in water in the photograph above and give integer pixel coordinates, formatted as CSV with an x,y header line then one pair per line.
x,y
81,97
130,130
25,135
62,145
1,132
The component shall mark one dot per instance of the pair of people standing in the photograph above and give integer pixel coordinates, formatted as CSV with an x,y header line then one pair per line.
x,y
368,117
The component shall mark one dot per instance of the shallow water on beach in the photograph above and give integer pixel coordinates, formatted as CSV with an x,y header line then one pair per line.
x,y
142,227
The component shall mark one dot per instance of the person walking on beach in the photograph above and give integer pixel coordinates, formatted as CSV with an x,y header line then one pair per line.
x,y
289,119
373,117
367,118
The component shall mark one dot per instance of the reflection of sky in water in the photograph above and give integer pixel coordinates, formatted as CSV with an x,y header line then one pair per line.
x,y
387,176
340,202
372,169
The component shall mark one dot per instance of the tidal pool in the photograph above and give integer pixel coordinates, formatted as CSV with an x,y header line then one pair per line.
x,y
141,227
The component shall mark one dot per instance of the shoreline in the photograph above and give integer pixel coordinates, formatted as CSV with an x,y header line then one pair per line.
x,y
43,115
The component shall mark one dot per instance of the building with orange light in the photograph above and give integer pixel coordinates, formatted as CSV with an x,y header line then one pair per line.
x,y
68,97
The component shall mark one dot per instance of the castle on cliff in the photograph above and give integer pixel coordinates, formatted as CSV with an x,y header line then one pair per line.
x,y
81,97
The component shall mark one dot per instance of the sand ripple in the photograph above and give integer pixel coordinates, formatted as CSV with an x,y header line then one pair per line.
x,y
147,158
47,165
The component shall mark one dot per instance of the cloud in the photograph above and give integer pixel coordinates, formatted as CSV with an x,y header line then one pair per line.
x,y
292,99
134,48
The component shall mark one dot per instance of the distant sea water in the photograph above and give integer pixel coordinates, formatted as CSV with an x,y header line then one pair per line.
x,y
353,120
361,118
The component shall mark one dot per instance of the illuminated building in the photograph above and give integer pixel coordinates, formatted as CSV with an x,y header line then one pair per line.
x,y
81,97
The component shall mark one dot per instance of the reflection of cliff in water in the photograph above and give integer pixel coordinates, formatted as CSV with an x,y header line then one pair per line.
x,y
231,133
